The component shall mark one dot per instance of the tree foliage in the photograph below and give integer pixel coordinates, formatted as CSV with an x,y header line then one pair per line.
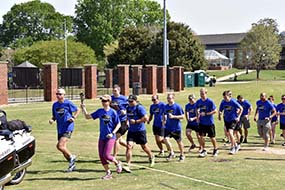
x,y
100,22
32,21
262,45
145,46
133,45
78,53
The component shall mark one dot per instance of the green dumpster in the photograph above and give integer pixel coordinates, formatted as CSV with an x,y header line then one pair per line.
x,y
189,79
200,78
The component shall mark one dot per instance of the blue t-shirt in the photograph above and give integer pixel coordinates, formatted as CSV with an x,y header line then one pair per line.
x,y
136,112
173,124
230,109
281,109
122,102
274,118
62,112
191,110
157,110
264,109
108,121
245,105
206,106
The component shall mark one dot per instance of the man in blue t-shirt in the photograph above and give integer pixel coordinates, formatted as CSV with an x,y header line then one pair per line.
x,y
157,112
64,112
244,118
173,114
281,112
206,108
119,103
137,116
231,111
266,112
192,124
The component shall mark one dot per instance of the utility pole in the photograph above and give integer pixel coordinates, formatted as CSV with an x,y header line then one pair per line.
x,y
65,44
165,41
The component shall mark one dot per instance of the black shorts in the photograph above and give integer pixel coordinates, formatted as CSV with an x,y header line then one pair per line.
x,y
232,125
158,131
282,126
193,127
66,135
139,137
123,129
207,129
173,134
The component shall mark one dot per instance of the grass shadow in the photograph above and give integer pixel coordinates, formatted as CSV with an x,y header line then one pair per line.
x,y
265,159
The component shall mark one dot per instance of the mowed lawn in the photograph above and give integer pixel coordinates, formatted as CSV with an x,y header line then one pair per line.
x,y
250,168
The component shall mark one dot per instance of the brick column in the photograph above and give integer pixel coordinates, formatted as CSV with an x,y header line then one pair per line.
x,y
3,83
161,79
50,81
151,87
108,78
90,81
123,76
170,78
177,78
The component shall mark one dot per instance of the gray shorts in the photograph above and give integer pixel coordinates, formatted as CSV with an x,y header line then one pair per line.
x,y
244,122
263,128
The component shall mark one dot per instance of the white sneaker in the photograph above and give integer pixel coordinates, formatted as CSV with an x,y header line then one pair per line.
x,y
72,160
237,147
265,148
203,153
232,150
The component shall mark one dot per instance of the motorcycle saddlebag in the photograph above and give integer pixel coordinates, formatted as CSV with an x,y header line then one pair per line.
x,y
7,163
27,151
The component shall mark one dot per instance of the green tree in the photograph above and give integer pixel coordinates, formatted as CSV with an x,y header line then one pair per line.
x,y
100,22
78,53
262,45
32,21
185,49
133,45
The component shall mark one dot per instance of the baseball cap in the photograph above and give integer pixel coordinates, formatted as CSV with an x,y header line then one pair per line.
x,y
133,97
191,96
106,97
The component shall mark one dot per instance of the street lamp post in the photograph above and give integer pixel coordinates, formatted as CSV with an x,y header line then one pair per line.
x,y
165,42
65,44
246,66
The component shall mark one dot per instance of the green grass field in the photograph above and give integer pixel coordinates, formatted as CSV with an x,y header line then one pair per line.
x,y
250,168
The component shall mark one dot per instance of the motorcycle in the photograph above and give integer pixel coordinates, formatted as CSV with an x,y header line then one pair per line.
x,y
16,152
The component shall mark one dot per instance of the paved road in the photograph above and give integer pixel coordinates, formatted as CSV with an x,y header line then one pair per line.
x,y
231,76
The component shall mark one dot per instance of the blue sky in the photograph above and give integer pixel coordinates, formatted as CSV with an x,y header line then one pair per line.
x,y
203,16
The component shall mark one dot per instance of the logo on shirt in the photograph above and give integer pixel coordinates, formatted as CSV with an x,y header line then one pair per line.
x,y
130,114
203,108
261,108
60,111
106,119
156,110
169,111
228,108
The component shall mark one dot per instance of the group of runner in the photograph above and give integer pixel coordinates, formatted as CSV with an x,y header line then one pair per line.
x,y
120,114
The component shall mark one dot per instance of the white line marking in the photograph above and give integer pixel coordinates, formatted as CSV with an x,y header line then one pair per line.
x,y
183,176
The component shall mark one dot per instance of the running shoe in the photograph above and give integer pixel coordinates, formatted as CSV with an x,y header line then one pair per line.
x,y
161,153
72,160
215,152
119,167
127,169
283,144
203,153
71,168
245,140
265,148
107,176
170,156
151,161
232,150
181,158
237,148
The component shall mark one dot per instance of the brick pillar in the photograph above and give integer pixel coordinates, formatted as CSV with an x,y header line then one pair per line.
x,y
90,81
50,81
151,87
123,76
3,83
161,79
137,73
182,79
170,76
177,78
108,78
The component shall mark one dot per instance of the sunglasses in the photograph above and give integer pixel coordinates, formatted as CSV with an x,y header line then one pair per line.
x,y
104,101
58,94
153,99
130,101
282,98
